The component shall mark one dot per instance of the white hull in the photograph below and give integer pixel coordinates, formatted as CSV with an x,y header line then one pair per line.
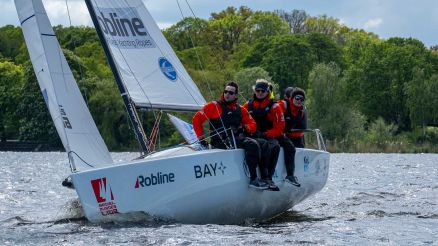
x,y
188,186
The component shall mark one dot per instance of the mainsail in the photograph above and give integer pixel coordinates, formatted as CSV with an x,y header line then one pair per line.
x,y
148,67
67,107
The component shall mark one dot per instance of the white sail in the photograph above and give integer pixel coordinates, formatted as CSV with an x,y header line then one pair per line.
x,y
150,69
69,112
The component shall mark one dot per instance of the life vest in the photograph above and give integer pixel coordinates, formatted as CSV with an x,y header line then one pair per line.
x,y
260,115
229,118
293,122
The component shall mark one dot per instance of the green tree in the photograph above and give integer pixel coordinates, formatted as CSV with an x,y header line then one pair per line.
x,y
289,60
327,108
328,26
75,36
199,58
325,49
11,40
357,44
187,33
296,19
109,113
35,123
323,24
93,59
401,72
422,99
266,24
227,28
246,79
376,82
256,53
380,132
11,81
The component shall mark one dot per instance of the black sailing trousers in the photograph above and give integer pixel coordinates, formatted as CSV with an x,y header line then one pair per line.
x,y
273,146
252,152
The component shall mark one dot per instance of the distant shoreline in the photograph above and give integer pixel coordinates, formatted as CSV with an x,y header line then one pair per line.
x,y
28,146
332,147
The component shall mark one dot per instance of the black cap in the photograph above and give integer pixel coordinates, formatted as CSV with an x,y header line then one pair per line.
x,y
262,84
288,92
298,91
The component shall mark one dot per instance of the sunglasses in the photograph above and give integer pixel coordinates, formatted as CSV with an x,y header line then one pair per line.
x,y
299,98
260,91
229,92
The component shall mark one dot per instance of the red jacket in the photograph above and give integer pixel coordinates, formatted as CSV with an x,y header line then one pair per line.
x,y
213,110
294,111
275,115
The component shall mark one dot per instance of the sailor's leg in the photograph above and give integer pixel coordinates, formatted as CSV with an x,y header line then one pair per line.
x,y
252,154
274,151
289,154
298,142
264,158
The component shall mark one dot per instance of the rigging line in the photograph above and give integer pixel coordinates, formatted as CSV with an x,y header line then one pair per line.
x,y
124,59
130,69
86,163
202,69
180,72
137,80
63,74
139,131
193,43
74,44
196,52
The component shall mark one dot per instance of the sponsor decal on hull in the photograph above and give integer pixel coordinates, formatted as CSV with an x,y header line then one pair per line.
x,y
104,196
306,163
209,170
154,179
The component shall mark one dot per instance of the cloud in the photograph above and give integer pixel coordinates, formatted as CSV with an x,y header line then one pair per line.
x,y
164,25
373,23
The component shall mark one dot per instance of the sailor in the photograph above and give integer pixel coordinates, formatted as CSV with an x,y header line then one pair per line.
x,y
270,125
295,115
231,123
288,92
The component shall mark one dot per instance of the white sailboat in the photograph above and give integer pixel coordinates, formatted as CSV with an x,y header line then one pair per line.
x,y
182,184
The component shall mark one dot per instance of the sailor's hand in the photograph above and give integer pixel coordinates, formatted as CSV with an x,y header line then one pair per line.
x,y
257,134
203,142
241,129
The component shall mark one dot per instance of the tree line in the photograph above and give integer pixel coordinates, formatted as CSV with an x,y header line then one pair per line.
x,y
363,92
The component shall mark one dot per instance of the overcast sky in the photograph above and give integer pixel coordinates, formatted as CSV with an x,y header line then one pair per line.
x,y
386,18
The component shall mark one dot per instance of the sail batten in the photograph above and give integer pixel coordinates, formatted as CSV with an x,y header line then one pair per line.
x,y
63,98
150,70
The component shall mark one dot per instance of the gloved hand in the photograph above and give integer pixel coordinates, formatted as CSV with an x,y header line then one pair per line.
x,y
203,142
257,134
240,129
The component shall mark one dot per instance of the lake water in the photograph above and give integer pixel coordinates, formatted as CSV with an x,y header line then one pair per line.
x,y
369,199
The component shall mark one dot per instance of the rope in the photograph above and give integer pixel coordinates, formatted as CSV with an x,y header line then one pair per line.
x,y
203,74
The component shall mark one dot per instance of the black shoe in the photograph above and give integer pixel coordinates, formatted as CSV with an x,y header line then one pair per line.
x,y
258,184
271,185
292,180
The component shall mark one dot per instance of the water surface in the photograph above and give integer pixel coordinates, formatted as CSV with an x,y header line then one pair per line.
x,y
369,199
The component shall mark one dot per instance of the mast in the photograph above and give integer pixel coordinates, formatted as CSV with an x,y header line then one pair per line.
x,y
138,129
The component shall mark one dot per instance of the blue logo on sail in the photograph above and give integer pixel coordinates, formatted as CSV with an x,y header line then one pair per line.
x,y
167,69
